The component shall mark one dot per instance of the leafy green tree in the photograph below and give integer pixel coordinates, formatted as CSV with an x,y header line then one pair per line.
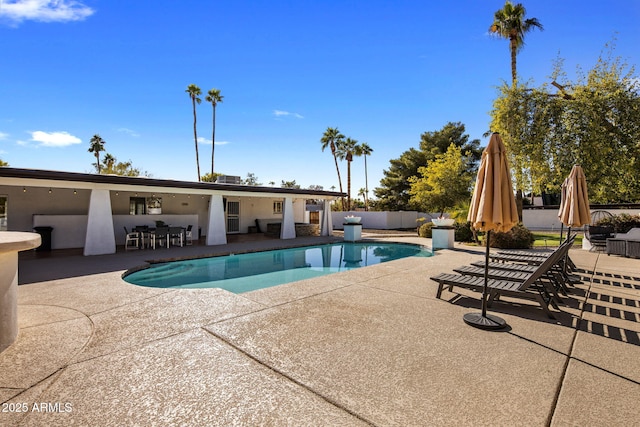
x,y
364,150
444,183
96,146
393,193
289,184
332,138
251,179
127,169
207,177
3,163
345,151
592,122
510,23
214,97
194,93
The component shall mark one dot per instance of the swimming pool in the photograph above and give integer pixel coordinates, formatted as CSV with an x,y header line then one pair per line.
x,y
247,272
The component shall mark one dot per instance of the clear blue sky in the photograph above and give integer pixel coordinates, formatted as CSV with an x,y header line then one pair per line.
x,y
383,72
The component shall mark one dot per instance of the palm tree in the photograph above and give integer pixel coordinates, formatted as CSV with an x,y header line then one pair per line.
x,y
332,138
194,91
97,145
213,97
362,192
109,161
364,150
345,151
509,23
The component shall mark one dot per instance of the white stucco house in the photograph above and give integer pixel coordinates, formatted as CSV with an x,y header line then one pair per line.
x,y
91,211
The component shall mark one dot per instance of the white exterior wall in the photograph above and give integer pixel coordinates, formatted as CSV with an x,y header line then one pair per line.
x,y
547,219
381,220
252,208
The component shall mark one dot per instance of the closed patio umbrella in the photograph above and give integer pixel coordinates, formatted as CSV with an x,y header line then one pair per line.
x,y
493,207
574,207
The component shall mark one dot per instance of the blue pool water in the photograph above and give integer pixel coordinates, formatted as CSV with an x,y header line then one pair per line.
x,y
251,271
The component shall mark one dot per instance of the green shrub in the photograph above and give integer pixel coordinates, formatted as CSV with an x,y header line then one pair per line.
x,y
463,232
621,223
519,237
425,230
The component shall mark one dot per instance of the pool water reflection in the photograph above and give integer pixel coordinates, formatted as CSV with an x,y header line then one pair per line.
x,y
251,271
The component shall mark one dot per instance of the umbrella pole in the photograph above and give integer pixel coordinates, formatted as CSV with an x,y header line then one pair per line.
x,y
486,276
484,320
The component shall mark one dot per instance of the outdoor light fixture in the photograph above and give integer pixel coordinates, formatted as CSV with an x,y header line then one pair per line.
x,y
75,192
49,190
24,189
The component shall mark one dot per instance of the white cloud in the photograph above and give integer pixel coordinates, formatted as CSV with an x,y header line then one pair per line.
x,y
54,139
129,132
280,113
3,136
205,141
44,10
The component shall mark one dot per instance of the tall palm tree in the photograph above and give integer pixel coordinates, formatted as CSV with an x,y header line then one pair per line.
x,y
213,97
194,92
345,151
97,145
510,23
364,150
332,138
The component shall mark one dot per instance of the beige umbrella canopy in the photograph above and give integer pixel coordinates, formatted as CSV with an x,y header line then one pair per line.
x,y
493,207
574,207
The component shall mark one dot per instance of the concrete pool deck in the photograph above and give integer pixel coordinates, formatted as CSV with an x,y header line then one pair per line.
x,y
370,346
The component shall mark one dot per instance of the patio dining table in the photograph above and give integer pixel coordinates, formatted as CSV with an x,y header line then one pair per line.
x,y
148,234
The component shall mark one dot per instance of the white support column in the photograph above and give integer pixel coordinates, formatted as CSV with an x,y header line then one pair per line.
x,y
288,228
100,238
216,229
326,224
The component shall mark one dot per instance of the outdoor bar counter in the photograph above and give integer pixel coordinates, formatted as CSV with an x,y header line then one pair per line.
x,y
11,242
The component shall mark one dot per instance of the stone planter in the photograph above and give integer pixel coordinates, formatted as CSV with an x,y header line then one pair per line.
x,y
443,222
352,219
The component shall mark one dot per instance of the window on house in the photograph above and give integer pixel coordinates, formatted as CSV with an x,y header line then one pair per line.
x,y
137,206
277,207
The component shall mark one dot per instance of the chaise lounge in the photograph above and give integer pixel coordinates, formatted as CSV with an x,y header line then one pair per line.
x,y
538,285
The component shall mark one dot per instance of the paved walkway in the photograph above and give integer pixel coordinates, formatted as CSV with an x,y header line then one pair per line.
x,y
371,346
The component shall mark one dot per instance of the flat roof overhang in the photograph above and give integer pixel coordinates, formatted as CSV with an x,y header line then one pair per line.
x,y
48,178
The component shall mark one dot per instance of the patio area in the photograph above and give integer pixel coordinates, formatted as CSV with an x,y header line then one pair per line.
x,y
370,346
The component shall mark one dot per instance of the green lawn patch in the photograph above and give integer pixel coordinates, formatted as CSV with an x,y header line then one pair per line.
x,y
551,239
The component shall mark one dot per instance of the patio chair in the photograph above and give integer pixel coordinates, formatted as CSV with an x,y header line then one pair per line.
x,y
176,236
161,237
598,235
189,235
133,238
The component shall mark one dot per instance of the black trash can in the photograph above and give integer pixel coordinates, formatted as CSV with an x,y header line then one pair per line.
x,y
45,237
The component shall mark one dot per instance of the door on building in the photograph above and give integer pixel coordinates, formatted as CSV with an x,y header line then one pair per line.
x,y
3,212
314,217
233,216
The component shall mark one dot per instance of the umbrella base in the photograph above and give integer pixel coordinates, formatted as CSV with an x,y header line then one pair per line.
x,y
484,322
